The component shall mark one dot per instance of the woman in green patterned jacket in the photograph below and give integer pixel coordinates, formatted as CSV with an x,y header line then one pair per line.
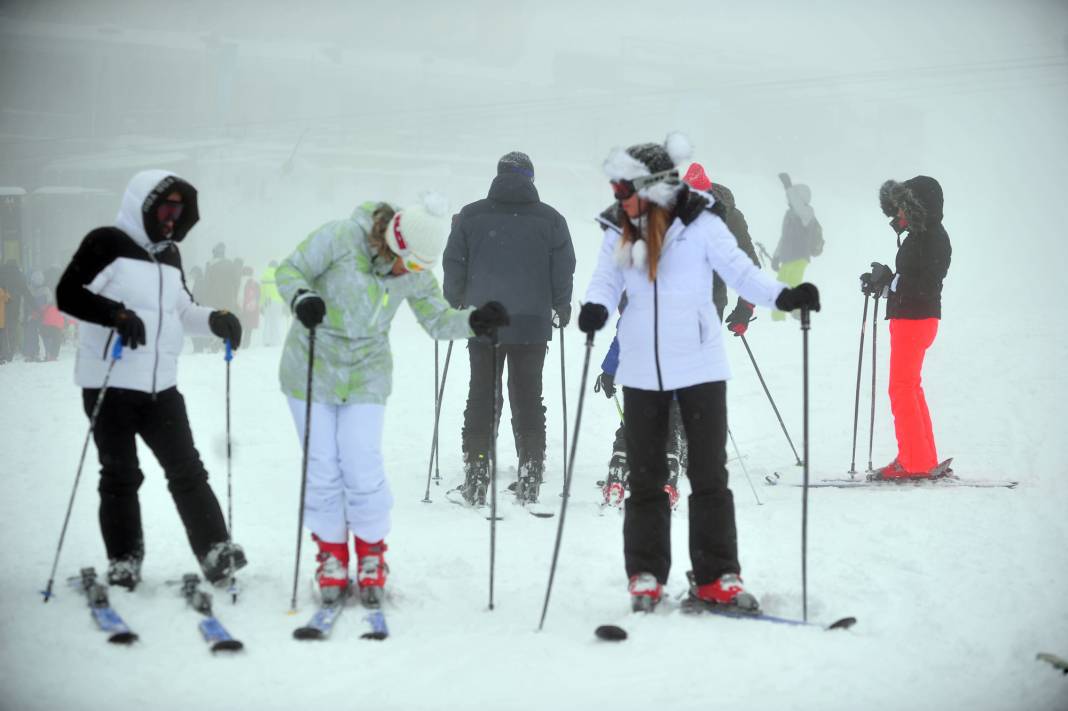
x,y
346,281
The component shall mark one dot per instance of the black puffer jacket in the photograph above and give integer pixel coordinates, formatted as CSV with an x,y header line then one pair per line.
x,y
923,256
515,249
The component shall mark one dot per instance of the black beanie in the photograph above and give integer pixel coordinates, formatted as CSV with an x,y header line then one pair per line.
x,y
654,155
515,162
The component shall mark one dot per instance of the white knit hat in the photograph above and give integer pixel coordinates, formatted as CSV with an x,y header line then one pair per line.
x,y
651,167
417,233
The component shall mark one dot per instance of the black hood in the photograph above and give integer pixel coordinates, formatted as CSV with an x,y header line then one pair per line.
x,y
514,188
920,198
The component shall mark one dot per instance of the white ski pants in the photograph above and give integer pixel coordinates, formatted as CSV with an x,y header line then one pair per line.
x,y
347,488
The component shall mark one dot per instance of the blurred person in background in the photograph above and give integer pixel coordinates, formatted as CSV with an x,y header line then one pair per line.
x,y
250,305
272,307
801,240
13,282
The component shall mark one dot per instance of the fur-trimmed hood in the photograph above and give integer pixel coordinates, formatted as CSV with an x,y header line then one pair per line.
x,y
920,198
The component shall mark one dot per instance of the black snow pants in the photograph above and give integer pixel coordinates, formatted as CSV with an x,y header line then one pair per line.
x,y
163,425
647,518
525,362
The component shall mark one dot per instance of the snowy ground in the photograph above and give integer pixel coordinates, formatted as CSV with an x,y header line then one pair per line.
x,y
955,590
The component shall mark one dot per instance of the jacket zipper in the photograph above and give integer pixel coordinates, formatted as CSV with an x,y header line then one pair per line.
x,y
159,326
656,333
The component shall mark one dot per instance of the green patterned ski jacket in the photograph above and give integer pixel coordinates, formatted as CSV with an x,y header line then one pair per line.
x,y
353,361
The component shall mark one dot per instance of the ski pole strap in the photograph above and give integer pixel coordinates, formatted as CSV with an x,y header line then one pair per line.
x,y
116,350
229,356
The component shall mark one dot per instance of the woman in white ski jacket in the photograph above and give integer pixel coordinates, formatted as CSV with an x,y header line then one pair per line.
x,y
671,344
126,281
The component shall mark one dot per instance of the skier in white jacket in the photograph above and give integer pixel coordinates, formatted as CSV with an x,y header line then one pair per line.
x,y
671,345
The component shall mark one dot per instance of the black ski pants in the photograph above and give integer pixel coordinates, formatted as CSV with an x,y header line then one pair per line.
x,y
525,362
163,425
647,518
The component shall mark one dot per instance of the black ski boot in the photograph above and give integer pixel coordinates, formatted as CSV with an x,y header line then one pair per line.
x,y
530,477
125,572
614,488
221,561
476,479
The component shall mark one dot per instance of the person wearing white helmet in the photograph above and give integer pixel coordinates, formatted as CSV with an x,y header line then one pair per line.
x,y
346,282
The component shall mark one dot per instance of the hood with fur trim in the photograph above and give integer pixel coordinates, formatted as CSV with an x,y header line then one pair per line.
x,y
144,193
920,199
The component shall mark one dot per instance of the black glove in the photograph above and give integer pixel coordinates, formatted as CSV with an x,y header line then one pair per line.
x,y
488,318
801,296
738,320
592,317
881,276
129,326
563,316
310,311
607,383
226,326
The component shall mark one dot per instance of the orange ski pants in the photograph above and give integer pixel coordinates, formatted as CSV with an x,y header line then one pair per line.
x,y
909,341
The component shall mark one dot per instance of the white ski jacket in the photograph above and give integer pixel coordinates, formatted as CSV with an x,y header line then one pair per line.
x,y
120,267
669,334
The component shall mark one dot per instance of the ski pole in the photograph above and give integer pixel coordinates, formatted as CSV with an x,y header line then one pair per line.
x,y
745,470
770,398
874,362
856,400
493,466
229,356
563,391
619,408
116,356
439,392
437,407
304,464
804,492
567,478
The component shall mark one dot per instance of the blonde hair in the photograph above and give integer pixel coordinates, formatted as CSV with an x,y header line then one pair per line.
x,y
380,218
657,220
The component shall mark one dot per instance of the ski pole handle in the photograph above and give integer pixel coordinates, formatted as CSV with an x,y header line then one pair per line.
x,y
116,350
229,356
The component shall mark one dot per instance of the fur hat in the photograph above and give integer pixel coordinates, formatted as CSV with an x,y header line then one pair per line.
x,y
920,199
417,233
651,167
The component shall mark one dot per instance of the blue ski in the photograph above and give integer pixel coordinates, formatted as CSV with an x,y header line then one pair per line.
x,y
210,628
103,614
322,622
377,622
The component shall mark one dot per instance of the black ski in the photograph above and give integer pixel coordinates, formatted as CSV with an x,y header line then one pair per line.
x,y
103,614
210,628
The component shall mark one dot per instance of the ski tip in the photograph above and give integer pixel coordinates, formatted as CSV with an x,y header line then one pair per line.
x,y
227,645
307,633
374,635
125,638
610,633
843,624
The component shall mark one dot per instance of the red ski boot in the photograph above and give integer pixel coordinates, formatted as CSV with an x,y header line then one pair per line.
x,y
727,591
645,592
332,575
371,571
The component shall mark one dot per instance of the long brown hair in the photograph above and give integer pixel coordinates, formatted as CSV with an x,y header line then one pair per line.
x,y
657,220
380,218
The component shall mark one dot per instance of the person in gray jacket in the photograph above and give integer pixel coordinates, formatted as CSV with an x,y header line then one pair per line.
x,y
515,249
802,237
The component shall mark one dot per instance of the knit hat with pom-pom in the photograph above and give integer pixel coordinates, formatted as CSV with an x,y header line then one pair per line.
x,y
417,233
651,167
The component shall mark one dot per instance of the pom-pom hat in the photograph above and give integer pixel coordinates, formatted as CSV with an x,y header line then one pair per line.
x,y
650,168
417,233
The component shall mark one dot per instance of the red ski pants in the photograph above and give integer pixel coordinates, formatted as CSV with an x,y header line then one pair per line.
x,y
909,341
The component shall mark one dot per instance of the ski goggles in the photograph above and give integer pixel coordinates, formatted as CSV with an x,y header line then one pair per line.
x,y
624,189
169,211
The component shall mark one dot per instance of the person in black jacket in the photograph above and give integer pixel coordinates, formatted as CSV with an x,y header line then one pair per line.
x,y
515,249
126,282
914,308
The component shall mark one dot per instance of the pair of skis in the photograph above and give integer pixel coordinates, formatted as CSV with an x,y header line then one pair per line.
x,y
942,478
322,622
535,509
108,620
